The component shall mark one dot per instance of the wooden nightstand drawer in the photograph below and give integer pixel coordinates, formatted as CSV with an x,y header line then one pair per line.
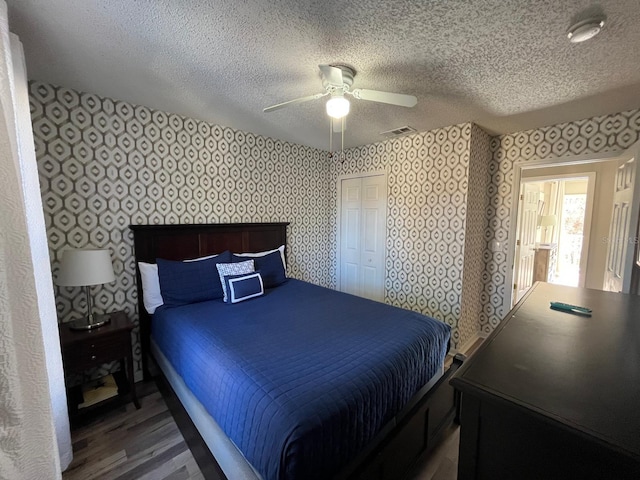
x,y
102,350
95,351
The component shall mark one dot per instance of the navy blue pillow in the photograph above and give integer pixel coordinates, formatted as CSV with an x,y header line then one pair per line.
x,y
270,266
182,283
243,287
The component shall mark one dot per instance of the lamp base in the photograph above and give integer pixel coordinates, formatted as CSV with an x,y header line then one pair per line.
x,y
88,324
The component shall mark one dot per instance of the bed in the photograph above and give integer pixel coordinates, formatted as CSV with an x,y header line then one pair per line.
x,y
302,382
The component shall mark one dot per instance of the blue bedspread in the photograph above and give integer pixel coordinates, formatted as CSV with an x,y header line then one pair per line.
x,y
302,378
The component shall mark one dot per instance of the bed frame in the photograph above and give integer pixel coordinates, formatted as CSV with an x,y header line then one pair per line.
x,y
398,447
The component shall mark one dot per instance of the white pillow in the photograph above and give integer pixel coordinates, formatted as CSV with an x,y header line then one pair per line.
x,y
262,254
238,268
200,258
151,296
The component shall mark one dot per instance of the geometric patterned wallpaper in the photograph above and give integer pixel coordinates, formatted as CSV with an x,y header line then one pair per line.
x,y
105,164
428,187
475,243
606,133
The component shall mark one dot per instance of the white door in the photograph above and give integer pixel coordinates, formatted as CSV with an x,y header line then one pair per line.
x,y
620,245
526,243
362,236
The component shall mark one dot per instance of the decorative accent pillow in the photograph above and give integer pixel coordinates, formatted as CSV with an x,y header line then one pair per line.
x,y
182,283
270,266
151,296
238,268
243,287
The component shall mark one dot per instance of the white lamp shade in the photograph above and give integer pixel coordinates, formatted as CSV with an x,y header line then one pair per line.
x,y
337,107
548,221
83,267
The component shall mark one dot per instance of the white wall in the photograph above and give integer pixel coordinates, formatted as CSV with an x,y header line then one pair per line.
x,y
32,392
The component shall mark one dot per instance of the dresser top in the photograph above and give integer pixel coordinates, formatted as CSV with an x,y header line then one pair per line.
x,y
583,372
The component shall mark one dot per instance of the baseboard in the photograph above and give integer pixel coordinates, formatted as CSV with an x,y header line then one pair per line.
x,y
468,344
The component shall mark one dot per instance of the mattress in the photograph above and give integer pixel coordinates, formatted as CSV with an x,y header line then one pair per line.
x,y
302,378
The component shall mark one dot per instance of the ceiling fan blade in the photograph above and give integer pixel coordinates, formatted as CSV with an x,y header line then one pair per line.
x,y
332,75
399,99
293,102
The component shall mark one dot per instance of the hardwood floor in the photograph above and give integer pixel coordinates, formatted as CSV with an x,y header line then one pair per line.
x,y
130,444
146,444
442,462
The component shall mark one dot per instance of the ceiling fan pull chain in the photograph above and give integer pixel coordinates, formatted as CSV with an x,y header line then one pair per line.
x,y
342,141
330,137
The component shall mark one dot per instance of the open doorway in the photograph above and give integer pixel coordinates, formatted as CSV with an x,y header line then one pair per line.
x,y
614,219
554,225
565,225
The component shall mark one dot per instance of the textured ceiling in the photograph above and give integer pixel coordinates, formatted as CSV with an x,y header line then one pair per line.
x,y
505,65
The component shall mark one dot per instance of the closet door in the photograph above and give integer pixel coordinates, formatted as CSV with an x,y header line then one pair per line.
x,y
362,236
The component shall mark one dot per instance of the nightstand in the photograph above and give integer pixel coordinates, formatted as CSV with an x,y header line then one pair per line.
x,y
544,262
82,350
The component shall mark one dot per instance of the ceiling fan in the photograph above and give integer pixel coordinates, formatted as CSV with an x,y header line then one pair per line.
x,y
337,81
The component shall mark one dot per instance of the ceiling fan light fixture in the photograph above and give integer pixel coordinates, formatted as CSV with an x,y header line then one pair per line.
x,y
585,30
337,107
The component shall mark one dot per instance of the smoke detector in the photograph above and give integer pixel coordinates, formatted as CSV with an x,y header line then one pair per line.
x,y
585,29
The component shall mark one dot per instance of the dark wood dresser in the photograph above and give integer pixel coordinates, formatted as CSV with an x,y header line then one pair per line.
x,y
551,395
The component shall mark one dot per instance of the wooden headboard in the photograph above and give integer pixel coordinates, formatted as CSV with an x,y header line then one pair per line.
x,y
180,242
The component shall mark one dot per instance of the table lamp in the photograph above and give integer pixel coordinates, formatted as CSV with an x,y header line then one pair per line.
x,y
84,268
548,221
